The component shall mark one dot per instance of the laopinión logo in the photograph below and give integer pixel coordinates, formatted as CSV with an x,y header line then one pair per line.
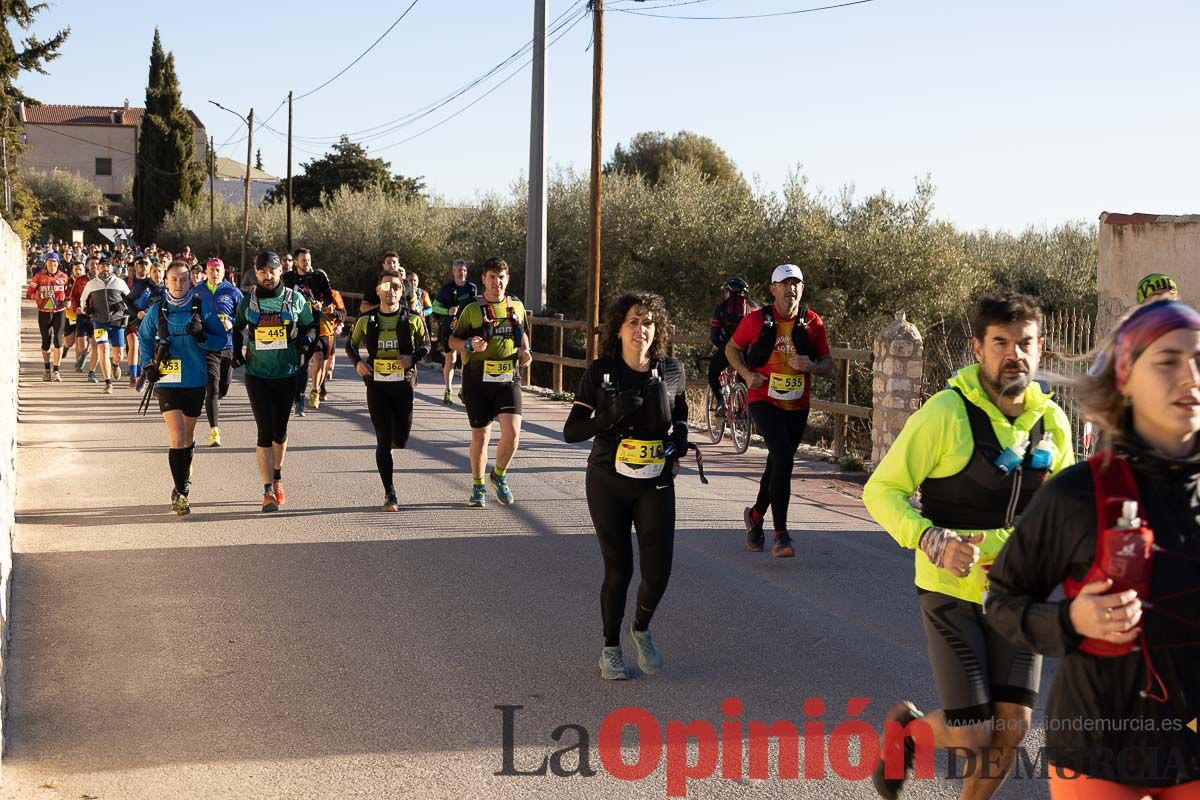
x,y
736,748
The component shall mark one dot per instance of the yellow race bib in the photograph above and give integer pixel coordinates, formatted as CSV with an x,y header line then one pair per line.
x,y
640,458
498,371
388,370
786,387
171,372
100,335
271,337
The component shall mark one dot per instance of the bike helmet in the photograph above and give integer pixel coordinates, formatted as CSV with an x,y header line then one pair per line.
x,y
736,285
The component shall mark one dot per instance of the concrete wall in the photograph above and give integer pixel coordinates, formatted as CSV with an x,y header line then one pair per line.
x,y
50,150
12,281
1134,245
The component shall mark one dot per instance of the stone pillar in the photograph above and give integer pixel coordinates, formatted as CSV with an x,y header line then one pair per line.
x,y
896,382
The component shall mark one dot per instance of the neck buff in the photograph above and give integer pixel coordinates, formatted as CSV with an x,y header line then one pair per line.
x,y
1144,326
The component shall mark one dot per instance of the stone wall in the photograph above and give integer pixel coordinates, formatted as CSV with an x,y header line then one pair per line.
x,y
896,382
12,282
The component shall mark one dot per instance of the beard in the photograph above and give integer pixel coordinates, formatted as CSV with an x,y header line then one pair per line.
x,y
1010,388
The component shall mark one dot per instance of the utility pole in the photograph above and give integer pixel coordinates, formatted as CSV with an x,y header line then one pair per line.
x,y
289,175
246,204
535,241
212,177
593,293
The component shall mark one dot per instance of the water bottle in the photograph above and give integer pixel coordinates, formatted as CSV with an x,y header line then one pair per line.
x,y
1013,455
1043,455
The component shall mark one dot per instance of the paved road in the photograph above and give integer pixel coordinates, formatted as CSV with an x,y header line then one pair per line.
x,y
332,651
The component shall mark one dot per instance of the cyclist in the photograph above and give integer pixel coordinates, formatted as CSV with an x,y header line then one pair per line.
x,y
632,403
978,451
395,342
491,336
218,357
454,296
174,334
281,331
725,320
48,289
105,299
314,285
777,350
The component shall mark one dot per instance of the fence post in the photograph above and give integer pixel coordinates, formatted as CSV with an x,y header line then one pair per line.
x,y
527,377
841,423
896,382
556,373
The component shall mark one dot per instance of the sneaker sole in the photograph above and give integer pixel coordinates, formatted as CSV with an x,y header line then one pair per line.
x,y
473,504
784,552
624,676
269,507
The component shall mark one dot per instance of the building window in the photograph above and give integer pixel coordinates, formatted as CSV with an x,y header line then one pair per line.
x,y
104,166
113,198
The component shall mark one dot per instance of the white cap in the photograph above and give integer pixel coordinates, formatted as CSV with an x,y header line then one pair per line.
x,y
785,271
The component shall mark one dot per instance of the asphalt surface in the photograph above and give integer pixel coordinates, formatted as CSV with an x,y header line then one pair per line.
x,y
334,651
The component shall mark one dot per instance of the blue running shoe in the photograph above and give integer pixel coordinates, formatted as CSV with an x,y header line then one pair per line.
x,y
612,665
650,661
478,497
503,493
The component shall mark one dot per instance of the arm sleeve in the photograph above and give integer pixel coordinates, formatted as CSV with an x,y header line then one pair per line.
x,y
910,459
439,303
354,340
1034,561
581,423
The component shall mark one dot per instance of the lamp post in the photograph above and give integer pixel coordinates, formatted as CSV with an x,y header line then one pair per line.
x,y
246,202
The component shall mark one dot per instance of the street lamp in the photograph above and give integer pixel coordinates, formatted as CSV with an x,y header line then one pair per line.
x,y
246,203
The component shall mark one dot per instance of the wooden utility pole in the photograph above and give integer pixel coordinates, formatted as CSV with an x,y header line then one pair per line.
x,y
593,293
246,203
289,175
535,228
212,179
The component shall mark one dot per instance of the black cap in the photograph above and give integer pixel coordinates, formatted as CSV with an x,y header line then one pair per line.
x,y
267,260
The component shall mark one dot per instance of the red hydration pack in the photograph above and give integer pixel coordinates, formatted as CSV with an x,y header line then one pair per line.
x,y
1124,554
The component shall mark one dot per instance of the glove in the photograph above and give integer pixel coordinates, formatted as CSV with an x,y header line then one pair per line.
x,y
152,373
679,439
195,328
625,403
239,358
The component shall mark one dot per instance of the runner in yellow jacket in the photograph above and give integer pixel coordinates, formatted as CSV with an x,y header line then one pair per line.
x,y
977,451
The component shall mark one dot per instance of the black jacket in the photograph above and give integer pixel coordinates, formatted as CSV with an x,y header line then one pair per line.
x,y
1096,721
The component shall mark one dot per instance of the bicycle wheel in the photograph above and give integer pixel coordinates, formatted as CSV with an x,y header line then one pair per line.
x,y
739,409
714,422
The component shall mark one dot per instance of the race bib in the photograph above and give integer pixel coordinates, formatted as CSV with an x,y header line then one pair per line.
x,y
785,387
388,370
100,335
639,458
271,337
171,372
498,371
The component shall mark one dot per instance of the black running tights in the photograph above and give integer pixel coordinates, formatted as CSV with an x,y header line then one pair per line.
x,y
391,407
781,431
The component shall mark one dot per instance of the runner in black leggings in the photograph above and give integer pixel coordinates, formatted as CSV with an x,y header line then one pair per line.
x,y
395,341
632,404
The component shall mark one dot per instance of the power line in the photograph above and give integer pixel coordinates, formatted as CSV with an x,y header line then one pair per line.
x,y
361,55
743,16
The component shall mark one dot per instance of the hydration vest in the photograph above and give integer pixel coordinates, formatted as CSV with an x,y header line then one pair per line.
x,y
981,496
403,331
655,413
489,324
286,315
162,334
762,348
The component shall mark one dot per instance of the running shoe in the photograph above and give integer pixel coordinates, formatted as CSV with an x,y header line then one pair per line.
x,y
56,376
107,388
141,384
889,788
180,505
269,503
79,361
214,437
92,377
650,661
783,545
503,493
133,382
314,399
280,494
116,371
478,497
299,407
754,530
324,391
390,503
446,401
612,664
46,376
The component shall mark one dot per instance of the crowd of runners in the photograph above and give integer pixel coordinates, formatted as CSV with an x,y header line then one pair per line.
x,y
981,483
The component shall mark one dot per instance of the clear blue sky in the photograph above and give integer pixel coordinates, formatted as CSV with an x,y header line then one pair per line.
x,y
1024,112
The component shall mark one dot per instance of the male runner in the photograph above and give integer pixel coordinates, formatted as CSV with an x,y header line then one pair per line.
x,y
276,326
395,340
314,285
978,451
452,297
48,289
106,301
491,338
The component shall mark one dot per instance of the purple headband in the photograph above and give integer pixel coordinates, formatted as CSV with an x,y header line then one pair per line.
x,y
1146,325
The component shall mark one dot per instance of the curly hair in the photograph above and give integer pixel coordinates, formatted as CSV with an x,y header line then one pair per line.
x,y
619,308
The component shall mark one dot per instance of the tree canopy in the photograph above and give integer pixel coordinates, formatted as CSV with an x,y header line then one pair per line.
x,y
654,155
348,166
